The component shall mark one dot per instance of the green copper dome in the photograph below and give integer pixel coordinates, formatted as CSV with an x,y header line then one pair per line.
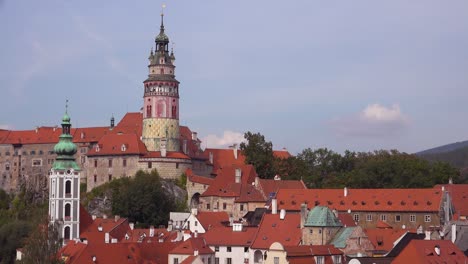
x,y
322,216
65,148
162,37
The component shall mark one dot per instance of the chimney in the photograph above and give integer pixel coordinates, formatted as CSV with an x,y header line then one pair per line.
x,y
163,147
211,157
195,252
99,228
450,180
94,258
195,211
303,214
112,122
345,191
454,233
132,226
237,227
116,218
151,231
282,214
194,136
184,146
93,217
437,250
106,238
104,216
238,175
195,234
428,235
234,149
274,206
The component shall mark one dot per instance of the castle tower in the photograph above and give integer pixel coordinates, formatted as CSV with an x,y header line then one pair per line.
x,y
161,98
64,185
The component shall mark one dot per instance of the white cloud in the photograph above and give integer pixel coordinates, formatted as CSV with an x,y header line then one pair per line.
x,y
228,138
374,121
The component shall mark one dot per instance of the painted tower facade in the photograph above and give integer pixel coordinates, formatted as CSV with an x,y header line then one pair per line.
x,y
161,98
64,186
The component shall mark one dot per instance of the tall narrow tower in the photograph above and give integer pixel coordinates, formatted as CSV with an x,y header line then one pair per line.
x,y
161,98
64,185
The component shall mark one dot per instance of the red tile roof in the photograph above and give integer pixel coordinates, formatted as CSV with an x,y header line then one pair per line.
x,y
131,123
4,135
273,229
93,235
190,245
89,134
224,184
225,236
401,200
312,250
193,149
268,186
224,157
189,260
282,154
85,219
423,251
116,144
383,239
212,219
198,179
459,195
41,135
169,154
346,219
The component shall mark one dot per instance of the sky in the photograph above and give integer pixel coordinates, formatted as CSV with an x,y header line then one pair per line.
x,y
357,75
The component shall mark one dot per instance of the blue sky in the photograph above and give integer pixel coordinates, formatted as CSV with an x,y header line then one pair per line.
x,y
358,75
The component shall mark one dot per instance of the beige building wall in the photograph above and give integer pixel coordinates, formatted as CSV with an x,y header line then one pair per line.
x,y
167,168
217,204
410,220
318,235
102,169
276,252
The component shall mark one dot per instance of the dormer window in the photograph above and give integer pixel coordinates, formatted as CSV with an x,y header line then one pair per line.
x,y
82,135
98,148
123,148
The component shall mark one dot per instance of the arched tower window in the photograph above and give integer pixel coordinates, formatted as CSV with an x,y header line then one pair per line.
x,y
174,111
66,233
148,111
67,212
68,189
161,71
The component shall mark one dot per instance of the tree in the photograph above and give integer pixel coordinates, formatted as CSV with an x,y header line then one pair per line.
x,y
259,153
43,245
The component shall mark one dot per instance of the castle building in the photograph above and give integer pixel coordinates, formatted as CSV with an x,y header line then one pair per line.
x,y
64,185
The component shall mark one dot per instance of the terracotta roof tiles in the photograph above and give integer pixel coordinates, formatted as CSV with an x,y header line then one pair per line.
x,y
423,251
116,144
225,236
272,229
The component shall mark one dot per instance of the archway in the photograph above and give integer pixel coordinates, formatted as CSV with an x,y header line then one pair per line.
x,y
195,201
66,233
258,257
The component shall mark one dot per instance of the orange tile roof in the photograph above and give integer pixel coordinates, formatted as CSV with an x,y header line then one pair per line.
x,y
193,149
346,219
268,186
423,251
189,260
198,179
89,134
395,200
383,239
85,219
169,154
282,154
212,219
4,135
224,184
249,193
459,195
224,157
273,229
312,250
116,144
190,245
131,123
41,135
93,235
225,236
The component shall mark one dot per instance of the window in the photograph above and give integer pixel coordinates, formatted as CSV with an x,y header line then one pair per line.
x,y
207,206
368,217
110,163
7,153
95,163
337,259
95,178
412,218
67,215
83,159
311,231
68,189
246,261
177,165
7,166
216,249
427,218
383,217
228,260
196,223
33,152
66,233
320,231
276,260
110,177
209,260
246,249
229,249
216,260
224,206
124,163
356,217
242,207
176,260
41,152
319,259
37,162
397,218
150,165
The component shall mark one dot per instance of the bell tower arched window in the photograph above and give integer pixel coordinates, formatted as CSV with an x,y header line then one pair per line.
x,y
67,212
148,111
66,233
68,189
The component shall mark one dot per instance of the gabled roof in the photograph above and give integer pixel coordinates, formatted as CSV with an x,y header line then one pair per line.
x,y
383,239
224,157
4,135
225,236
41,135
282,154
272,229
116,229
193,149
346,219
459,195
224,185
90,134
387,200
249,193
190,245
322,216
342,236
423,251
118,144
271,187
131,123
198,179
212,219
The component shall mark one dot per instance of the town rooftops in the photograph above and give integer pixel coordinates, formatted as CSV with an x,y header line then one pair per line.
x,y
270,187
212,219
118,144
190,245
430,251
198,179
272,229
388,200
322,216
459,195
225,236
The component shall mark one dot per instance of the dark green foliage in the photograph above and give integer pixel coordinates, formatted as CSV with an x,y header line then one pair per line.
x,y
12,235
182,181
259,153
142,199
457,158
43,244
